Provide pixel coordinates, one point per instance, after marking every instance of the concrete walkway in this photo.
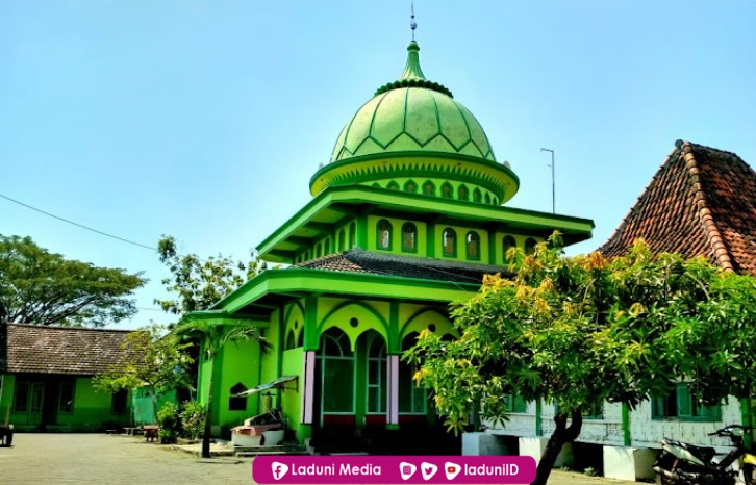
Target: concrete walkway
(111, 459)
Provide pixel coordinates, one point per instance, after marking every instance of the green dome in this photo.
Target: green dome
(412, 115)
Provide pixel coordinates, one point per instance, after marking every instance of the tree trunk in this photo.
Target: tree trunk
(559, 437)
(206, 433)
(154, 406)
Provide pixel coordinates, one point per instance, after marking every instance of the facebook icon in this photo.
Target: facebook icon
(279, 470)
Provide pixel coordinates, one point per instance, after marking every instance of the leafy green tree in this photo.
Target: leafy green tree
(579, 331)
(44, 288)
(196, 283)
(151, 358)
(213, 338)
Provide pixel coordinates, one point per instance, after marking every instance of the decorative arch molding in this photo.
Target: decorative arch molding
(381, 327)
(294, 312)
(419, 321)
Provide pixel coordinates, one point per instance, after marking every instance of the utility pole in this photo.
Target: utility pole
(553, 180)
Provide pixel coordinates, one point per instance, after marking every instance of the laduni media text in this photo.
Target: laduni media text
(368, 470)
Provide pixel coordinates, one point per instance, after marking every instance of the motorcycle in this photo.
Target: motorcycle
(682, 463)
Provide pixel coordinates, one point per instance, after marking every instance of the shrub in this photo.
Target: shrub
(192, 419)
(167, 417)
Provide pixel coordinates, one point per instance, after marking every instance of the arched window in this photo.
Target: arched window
(337, 364)
(384, 234)
(496, 201)
(429, 188)
(463, 193)
(300, 340)
(341, 240)
(392, 185)
(376, 184)
(506, 244)
(327, 246)
(352, 236)
(319, 251)
(530, 245)
(237, 403)
(476, 195)
(410, 186)
(409, 238)
(472, 243)
(290, 341)
(446, 191)
(376, 378)
(450, 242)
(486, 199)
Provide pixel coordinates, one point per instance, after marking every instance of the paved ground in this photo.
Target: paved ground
(101, 459)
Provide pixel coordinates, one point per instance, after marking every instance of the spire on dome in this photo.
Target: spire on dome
(412, 70)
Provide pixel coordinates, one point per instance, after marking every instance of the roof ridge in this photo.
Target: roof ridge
(713, 236)
(621, 226)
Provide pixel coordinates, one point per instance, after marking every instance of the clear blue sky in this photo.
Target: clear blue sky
(205, 120)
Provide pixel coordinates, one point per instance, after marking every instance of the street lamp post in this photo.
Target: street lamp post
(553, 180)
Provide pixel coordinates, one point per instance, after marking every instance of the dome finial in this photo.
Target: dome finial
(413, 24)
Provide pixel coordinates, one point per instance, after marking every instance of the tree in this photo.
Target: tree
(579, 331)
(43, 288)
(198, 284)
(151, 358)
(213, 338)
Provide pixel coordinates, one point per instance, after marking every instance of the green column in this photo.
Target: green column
(626, 424)
(311, 340)
(746, 419)
(431, 239)
(362, 232)
(491, 245)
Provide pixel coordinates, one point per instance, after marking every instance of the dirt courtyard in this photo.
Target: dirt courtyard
(111, 459)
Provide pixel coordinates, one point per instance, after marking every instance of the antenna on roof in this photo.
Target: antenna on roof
(413, 24)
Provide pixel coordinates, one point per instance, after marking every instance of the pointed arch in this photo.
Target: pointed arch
(447, 191)
(463, 193)
(487, 199)
(410, 186)
(476, 195)
(393, 185)
(429, 188)
(375, 320)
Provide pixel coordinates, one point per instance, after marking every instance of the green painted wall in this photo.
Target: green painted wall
(240, 364)
(142, 406)
(91, 409)
(291, 400)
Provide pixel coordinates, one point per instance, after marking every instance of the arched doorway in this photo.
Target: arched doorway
(335, 368)
(371, 383)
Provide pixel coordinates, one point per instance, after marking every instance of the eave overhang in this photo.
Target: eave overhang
(337, 205)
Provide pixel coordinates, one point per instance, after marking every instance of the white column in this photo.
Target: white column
(392, 391)
(308, 387)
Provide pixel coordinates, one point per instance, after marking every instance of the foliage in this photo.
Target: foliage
(590, 472)
(578, 331)
(150, 358)
(198, 283)
(167, 436)
(168, 416)
(43, 288)
(213, 338)
(192, 415)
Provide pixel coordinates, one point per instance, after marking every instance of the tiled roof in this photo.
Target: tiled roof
(360, 261)
(701, 202)
(38, 349)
